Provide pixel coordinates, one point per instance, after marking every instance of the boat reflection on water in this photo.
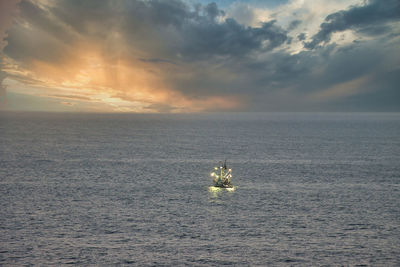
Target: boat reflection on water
(216, 189)
(219, 194)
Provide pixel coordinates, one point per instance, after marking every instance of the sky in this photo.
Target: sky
(180, 56)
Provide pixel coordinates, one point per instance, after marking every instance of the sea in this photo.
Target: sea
(311, 189)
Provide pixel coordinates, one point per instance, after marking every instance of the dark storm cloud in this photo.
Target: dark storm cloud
(294, 24)
(249, 76)
(212, 11)
(229, 38)
(162, 28)
(39, 47)
(87, 17)
(197, 33)
(41, 19)
(369, 18)
(38, 36)
(7, 10)
(283, 81)
(360, 69)
(301, 36)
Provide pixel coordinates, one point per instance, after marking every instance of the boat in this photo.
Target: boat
(222, 176)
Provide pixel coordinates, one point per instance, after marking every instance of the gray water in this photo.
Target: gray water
(311, 189)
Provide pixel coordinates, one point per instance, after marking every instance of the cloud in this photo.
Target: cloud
(175, 56)
(100, 46)
(341, 90)
(3, 92)
(7, 10)
(243, 14)
(161, 108)
(294, 24)
(67, 103)
(369, 18)
(72, 97)
(229, 38)
(156, 60)
(301, 36)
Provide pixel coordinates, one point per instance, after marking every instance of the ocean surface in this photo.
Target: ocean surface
(93, 189)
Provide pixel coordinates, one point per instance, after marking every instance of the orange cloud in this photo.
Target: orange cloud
(127, 84)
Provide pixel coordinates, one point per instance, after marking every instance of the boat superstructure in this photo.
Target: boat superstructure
(222, 176)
